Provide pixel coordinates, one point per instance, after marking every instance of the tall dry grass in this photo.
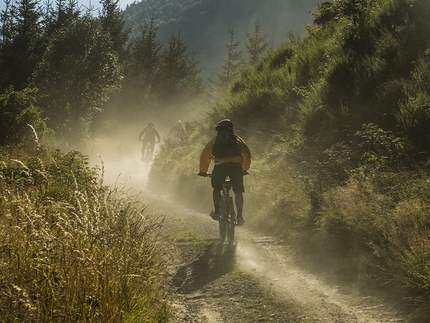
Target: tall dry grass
(73, 250)
(381, 225)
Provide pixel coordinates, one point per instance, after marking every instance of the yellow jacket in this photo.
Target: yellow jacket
(244, 159)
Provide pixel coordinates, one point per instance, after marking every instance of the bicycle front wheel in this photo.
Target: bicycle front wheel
(231, 221)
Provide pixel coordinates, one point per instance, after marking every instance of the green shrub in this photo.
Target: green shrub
(73, 250)
(20, 119)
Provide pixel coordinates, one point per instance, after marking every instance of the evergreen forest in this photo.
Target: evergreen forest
(337, 119)
(204, 24)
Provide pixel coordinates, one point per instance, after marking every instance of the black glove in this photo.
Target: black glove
(202, 174)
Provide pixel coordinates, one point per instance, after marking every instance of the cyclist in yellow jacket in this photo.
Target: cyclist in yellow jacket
(232, 158)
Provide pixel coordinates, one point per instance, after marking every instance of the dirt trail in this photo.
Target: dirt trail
(258, 280)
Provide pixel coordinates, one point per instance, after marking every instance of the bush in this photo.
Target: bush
(20, 119)
(73, 250)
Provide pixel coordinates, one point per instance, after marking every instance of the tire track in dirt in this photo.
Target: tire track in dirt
(258, 279)
(272, 262)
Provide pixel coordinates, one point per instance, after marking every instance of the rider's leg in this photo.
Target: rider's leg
(238, 199)
(219, 173)
(151, 146)
(236, 176)
(216, 194)
(144, 144)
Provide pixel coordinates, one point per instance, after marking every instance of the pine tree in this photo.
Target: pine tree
(113, 22)
(22, 45)
(78, 71)
(179, 75)
(232, 64)
(144, 67)
(257, 44)
(64, 13)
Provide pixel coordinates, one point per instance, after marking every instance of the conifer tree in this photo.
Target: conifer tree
(143, 70)
(5, 40)
(22, 44)
(257, 44)
(179, 75)
(75, 76)
(113, 22)
(232, 64)
(64, 13)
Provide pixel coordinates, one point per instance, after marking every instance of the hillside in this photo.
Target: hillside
(337, 122)
(204, 24)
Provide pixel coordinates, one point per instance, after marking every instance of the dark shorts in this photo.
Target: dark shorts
(233, 171)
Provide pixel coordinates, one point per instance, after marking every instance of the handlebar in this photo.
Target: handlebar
(205, 174)
(210, 175)
(156, 142)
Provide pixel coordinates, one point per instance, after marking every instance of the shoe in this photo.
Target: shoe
(240, 221)
(214, 215)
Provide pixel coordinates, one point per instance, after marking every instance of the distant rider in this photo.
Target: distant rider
(177, 130)
(149, 134)
(232, 158)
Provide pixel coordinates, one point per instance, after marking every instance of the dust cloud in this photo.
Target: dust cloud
(116, 149)
(275, 265)
(118, 156)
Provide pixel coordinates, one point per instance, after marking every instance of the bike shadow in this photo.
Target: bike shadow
(217, 260)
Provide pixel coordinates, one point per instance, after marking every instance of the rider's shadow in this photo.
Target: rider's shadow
(217, 260)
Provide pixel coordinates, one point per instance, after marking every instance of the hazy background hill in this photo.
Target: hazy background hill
(204, 24)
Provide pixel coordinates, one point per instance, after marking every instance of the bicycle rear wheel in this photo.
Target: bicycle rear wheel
(231, 221)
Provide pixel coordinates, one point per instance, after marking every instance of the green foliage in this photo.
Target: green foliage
(160, 82)
(414, 113)
(233, 64)
(113, 22)
(77, 72)
(22, 43)
(21, 120)
(277, 17)
(337, 123)
(257, 45)
(79, 62)
(179, 74)
(385, 220)
(72, 249)
(160, 75)
(145, 63)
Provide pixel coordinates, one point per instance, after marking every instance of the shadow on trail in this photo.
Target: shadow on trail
(217, 260)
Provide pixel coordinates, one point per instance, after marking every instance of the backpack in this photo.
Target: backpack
(226, 144)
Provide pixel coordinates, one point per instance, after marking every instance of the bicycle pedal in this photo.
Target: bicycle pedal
(214, 216)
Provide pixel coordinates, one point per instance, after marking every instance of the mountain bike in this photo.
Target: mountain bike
(227, 220)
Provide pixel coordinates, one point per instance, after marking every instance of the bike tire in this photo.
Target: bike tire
(148, 154)
(223, 222)
(231, 221)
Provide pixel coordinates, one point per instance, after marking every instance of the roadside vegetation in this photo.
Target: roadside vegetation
(73, 81)
(72, 249)
(337, 122)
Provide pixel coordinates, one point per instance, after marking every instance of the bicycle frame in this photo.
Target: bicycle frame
(227, 221)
